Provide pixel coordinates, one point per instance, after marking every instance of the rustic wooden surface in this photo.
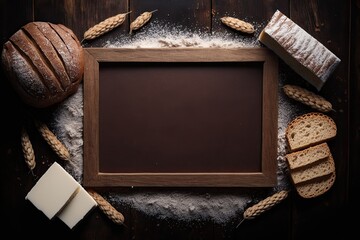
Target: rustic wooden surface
(335, 23)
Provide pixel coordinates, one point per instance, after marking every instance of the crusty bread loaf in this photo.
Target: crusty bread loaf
(302, 52)
(310, 129)
(312, 170)
(44, 63)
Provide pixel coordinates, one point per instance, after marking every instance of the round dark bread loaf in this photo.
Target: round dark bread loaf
(44, 63)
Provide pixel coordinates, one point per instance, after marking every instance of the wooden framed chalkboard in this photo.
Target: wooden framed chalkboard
(180, 117)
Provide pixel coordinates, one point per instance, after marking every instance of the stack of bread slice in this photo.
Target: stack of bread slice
(311, 164)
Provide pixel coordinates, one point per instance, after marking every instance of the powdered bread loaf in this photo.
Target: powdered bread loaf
(44, 63)
(310, 129)
(305, 54)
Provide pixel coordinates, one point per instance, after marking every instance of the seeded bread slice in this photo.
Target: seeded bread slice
(310, 129)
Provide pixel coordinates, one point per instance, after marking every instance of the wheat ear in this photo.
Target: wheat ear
(264, 205)
(27, 149)
(107, 208)
(140, 21)
(238, 24)
(52, 140)
(308, 98)
(105, 26)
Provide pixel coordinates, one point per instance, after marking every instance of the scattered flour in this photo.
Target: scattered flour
(189, 207)
(183, 205)
(68, 125)
(163, 36)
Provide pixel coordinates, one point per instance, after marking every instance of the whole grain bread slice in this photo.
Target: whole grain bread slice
(312, 170)
(316, 187)
(310, 129)
(308, 155)
(318, 169)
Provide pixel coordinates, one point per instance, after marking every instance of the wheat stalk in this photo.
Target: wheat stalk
(105, 26)
(140, 20)
(264, 205)
(308, 98)
(27, 149)
(52, 140)
(238, 24)
(107, 208)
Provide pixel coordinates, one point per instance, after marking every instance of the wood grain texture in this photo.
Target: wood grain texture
(323, 217)
(82, 15)
(322, 18)
(354, 164)
(246, 11)
(10, 22)
(187, 15)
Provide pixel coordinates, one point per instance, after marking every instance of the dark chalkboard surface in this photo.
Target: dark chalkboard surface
(170, 117)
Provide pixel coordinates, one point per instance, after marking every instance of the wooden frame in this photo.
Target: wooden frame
(266, 177)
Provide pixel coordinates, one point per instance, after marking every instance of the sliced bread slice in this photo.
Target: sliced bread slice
(310, 129)
(308, 155)
(312, 170)
(318, 169)
(316, 187)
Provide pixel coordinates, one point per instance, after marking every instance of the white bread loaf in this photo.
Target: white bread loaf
(44, 63)
(302, 52)
(310, 129)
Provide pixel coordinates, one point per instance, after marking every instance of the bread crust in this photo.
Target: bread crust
(44, 63)
(48, 50)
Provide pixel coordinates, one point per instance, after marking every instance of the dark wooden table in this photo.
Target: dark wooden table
(335, 23)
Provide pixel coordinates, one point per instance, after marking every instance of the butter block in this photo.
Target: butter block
(301, 51)
(77, 208)
(55, 188)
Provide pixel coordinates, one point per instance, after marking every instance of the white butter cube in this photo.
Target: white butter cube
(77, 208)
(53, 190)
